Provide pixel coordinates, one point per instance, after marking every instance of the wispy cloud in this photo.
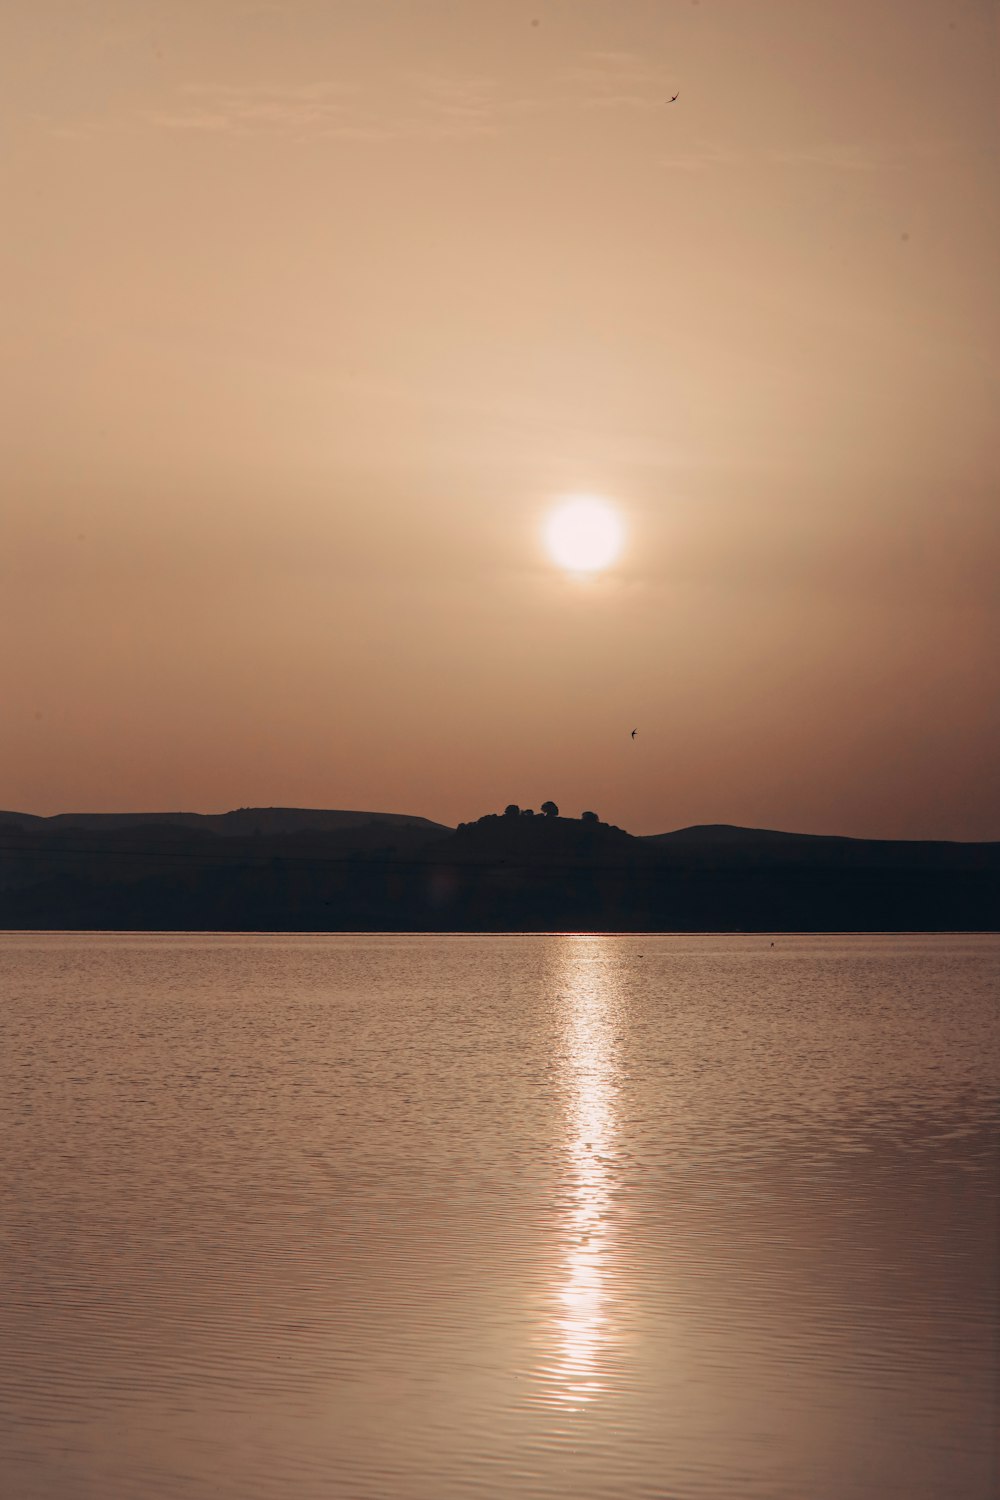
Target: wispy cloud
(318, 107)
(831, 156)
(702, 156)
(401, 104)
(862, 156)
(408, 103)
(413, 105)
(416, 104)
(842, 156)
(622, 81)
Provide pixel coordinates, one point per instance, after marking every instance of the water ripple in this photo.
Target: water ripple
(557, 1216)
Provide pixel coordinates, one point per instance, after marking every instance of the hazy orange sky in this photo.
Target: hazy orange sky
(312, 309)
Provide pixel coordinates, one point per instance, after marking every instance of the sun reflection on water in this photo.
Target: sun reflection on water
(584, 1324)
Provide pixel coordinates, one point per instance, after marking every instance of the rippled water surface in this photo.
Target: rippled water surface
(425, 1217)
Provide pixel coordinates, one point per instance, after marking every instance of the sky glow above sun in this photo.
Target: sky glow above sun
(583, 534)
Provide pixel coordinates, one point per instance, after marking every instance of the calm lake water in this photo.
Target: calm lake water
(421, 1217)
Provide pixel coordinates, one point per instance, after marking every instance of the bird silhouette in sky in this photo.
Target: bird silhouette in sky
(673, 98)
(634, 733)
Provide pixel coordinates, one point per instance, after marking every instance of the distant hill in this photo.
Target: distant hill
(728, 833)
(238, 824)
(724, 844)
(315, 870)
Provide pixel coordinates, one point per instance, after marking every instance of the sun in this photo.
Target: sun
(583, 534)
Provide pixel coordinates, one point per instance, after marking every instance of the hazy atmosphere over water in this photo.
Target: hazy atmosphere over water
(315, 309)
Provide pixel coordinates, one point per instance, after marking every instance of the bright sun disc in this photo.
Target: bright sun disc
(583, 534)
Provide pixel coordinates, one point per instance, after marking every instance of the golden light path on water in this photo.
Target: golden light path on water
(584, 1330)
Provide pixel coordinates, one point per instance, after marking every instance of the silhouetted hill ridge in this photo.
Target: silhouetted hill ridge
(731, 833)
(238, 823)
(734, 833)
(309, 870)
(728, 844)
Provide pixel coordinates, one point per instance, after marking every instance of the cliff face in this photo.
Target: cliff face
(497, 874)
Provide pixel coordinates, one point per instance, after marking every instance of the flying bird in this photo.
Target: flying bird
(634, 733)
(673, 98)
